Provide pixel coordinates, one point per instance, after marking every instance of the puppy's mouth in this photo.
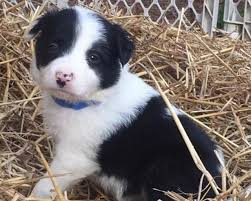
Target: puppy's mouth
(66, 95)
(60, 92)
(63, 94)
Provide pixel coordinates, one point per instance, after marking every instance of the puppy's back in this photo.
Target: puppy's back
(150, 153)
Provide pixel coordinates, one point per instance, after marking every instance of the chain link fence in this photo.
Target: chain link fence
(236, 18)
(194, 12)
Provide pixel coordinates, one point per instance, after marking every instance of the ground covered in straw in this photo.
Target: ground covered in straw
(210, 79)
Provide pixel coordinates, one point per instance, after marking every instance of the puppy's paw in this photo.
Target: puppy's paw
(44, 189)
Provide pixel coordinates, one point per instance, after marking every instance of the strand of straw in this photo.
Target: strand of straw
(185, 137)
(47, 167)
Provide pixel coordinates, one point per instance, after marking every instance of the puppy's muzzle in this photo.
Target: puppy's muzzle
(62, 79)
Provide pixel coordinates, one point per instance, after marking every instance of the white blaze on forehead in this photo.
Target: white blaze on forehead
(90, 30)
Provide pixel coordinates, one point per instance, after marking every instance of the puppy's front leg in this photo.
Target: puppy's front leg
(70, 168)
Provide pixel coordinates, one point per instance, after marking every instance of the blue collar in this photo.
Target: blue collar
(75, 106)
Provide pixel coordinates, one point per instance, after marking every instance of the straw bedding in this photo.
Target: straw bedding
(210, 79)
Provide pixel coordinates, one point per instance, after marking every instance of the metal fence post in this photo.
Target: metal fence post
(246, 30)
(238, 22)
(210, 16)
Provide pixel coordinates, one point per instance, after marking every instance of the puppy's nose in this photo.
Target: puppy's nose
(63, 78)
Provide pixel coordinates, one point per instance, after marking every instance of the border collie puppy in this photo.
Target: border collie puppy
(107, 123)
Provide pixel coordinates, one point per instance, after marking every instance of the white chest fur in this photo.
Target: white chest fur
(78, 133)
(84, 130)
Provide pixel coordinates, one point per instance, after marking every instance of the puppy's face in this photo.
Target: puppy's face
(78, 53)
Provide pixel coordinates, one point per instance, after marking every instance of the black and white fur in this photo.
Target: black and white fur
(128, 143)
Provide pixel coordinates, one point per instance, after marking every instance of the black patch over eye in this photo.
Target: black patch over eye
(102, 57)
(58, 31)
(94, 58)
(53, 47)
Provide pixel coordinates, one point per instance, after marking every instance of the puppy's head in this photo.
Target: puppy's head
(78, 53)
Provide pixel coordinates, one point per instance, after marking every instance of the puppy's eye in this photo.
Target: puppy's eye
(94, 58)
(53, 47)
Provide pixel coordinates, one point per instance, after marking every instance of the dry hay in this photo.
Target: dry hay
(210, 79)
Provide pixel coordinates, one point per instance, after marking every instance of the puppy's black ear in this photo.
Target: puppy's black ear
(125, 44)
(33, 30)
(38, 25)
